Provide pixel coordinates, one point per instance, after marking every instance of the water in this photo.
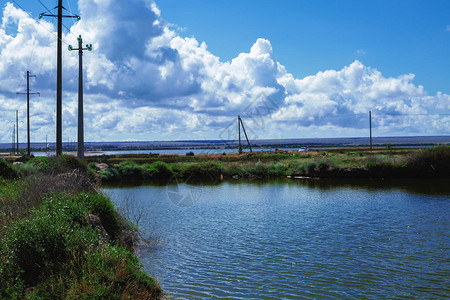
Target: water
(159, 151)
(296, 239)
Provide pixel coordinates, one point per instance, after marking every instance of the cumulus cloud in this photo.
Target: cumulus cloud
(144, 81)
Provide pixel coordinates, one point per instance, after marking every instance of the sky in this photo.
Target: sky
(184, 70)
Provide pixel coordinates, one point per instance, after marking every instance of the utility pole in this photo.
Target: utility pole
(370, 126)
(28, 108)
(239, 128)
(17, 130)
(80, 144)
(60, 16)
(13, 148)
(243, 128)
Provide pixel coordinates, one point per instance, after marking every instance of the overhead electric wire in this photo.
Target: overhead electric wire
(38, 21)
(385, 114)
(68, 29)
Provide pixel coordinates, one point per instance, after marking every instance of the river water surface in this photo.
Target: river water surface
(296, 239)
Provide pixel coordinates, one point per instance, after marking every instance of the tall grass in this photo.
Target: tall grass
(56, 252)
(60, 238)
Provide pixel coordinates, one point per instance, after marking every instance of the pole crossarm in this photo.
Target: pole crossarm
(44, 14)
(25, 93)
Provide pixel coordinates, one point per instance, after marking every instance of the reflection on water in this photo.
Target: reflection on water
(299, 238)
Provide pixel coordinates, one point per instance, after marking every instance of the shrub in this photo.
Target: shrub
(27, 169)
(431, 160)
(310, 167)
(36, 246)
(59, 164)
(209, 170)
(101, 206)
(19, 197)
(57, 253)
(157, 170)
(110, 174)
(277, 169)
(93, 166)
(7, 170)
(129, 171)
(190, 153)
(233, 169)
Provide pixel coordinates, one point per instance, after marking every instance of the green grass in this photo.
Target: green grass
(339, 163)
(51, 249)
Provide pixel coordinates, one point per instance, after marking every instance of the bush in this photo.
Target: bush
(157, 170)
(190, 153)
(110, 174)
(277, 169)
(431, 160)
(93, 166)
(101, 206)
(7, 171)
(129, 171)
(36, 246)
(19, 197)
(209, 170)
(59, 164)
(55, 253)
(27, 169)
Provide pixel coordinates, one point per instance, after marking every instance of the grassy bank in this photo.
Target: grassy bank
(60, 238)
(334, 163)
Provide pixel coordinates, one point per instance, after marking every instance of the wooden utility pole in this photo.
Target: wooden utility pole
(28, 110)
(80, 144)
(60, 16)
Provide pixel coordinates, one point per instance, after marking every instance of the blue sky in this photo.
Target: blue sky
(174, 69)
(396, 37)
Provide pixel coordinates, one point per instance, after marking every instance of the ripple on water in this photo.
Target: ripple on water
(294, 241)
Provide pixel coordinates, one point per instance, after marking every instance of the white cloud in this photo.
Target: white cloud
(146, 82)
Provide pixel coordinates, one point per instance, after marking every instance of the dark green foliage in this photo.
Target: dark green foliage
(109, 175)
(7, 170)
(190, 153)
(209, 170)
(36, 246)
(93, 166)
(434, 160)
(59, 164)
(129, 171)
(101, 206)
(157, 170)
(58, 254)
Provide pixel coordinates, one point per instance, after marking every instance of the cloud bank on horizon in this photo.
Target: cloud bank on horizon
(144, 81)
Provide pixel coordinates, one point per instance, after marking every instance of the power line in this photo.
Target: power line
(68, 29)
(386, 114)
(44, 6)
(37, 20)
